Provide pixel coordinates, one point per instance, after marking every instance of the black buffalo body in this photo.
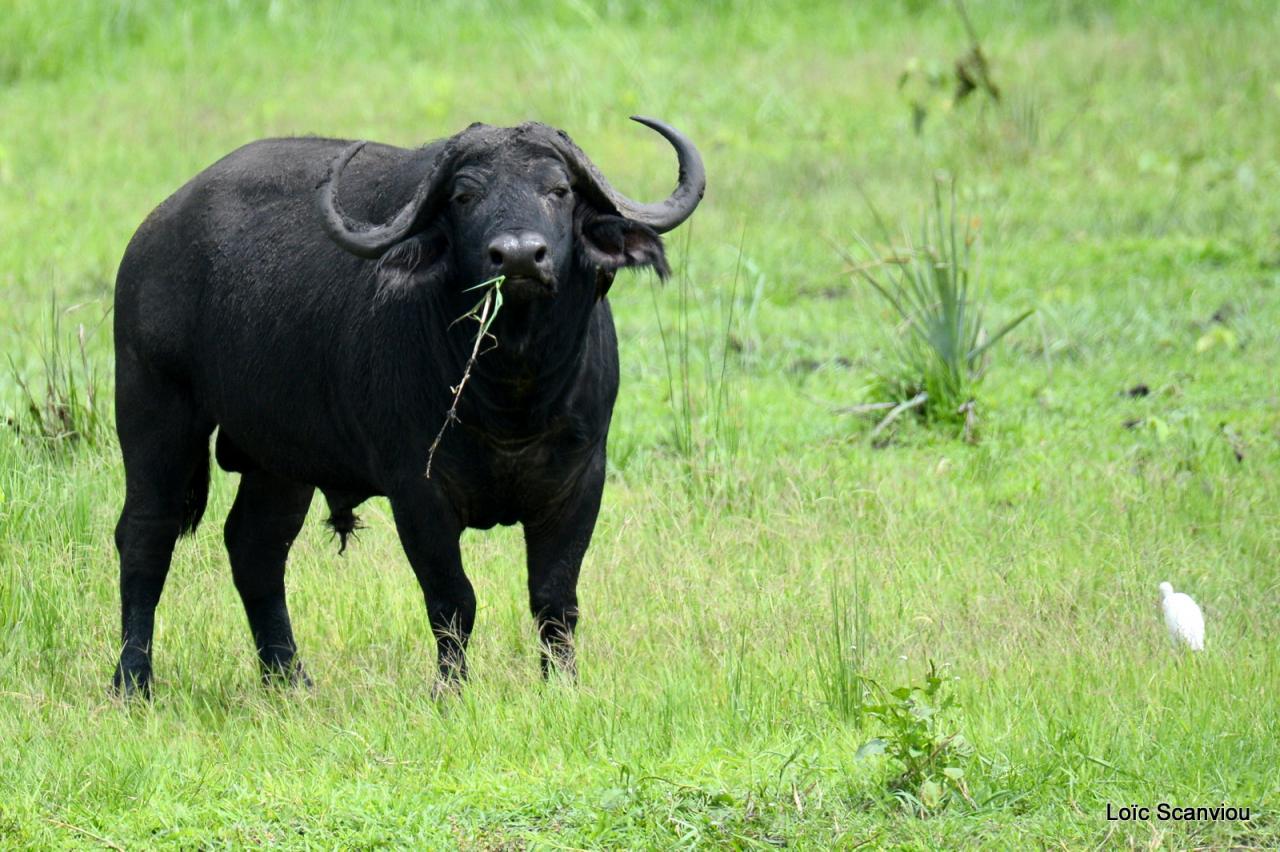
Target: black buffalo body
(260, 300)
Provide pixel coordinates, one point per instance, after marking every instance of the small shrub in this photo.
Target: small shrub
(63, 407)
(939, 353)
(929, 755)
(931, 87)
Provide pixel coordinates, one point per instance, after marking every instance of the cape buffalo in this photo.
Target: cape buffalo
(260, 300)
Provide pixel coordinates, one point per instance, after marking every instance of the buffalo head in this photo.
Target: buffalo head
(524, 203)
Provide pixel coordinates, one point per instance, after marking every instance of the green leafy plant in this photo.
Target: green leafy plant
(929, 755)
(940, 348)
(929, 87)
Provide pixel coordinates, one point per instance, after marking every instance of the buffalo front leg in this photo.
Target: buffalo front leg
(429, 532)
(264, 520)
(555, 545)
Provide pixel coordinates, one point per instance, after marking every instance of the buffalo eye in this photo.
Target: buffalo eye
(560, 192)
(463, 199)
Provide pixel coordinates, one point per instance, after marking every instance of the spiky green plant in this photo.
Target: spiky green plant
(62, 407)
(939, 349)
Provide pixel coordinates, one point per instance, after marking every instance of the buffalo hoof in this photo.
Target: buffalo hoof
(288, 675)
(561, 673)
(131, 685)
(559, 664)
(446, 688)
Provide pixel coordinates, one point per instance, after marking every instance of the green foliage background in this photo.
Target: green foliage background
(1128, 188)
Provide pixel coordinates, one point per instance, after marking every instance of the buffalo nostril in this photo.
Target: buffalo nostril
(495, 257)
(540, 255)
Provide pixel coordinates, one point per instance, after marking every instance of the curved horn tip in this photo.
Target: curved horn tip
(652, 123)
(693, 180)
(664, 215)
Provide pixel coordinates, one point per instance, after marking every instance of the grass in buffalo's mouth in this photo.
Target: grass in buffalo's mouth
(484, 312)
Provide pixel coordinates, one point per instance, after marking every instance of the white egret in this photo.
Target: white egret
(1183, 618)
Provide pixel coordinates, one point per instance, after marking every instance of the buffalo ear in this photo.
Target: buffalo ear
(614, 242)
(411, 262)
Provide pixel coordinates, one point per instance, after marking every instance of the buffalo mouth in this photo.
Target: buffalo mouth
(528, 287)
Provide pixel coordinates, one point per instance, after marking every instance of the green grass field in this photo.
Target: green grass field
(757, 560)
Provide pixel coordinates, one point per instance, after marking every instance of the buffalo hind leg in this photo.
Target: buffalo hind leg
(555, 547)
(429, 533)
(165, 447)
(264, 520)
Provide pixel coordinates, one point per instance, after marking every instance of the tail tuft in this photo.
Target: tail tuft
(344, 523)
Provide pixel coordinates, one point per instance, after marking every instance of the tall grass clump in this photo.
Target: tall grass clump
(842, 656)
(703, 431)
(940, 343)
(65, 405)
